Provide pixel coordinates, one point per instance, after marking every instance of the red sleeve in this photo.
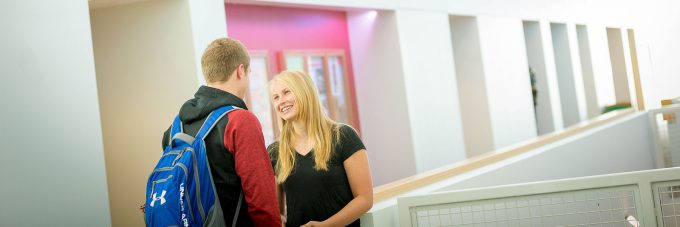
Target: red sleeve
(243, 137)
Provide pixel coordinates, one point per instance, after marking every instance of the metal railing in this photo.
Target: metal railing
(645, 198)
(665, 124)
(642, 198)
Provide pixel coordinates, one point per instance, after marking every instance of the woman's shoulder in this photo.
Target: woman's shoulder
(347, 135)
(345, 130)
(349, 141)
(273, 148)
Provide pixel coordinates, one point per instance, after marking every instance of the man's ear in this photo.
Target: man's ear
(240, 71)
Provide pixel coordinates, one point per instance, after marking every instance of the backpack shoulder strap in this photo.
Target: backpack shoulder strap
(175, 128)
(212, 119)
(210, 123)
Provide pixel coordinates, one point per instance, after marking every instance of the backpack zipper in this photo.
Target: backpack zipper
(153, 183)
(188, 199)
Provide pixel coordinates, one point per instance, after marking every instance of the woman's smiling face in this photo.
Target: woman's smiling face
(283, 101)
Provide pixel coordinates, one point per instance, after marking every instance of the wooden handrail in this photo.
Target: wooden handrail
(392, 189)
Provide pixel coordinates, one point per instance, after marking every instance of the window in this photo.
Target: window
(328, 71)
(257, 98)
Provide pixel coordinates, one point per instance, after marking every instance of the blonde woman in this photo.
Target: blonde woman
(321, 166)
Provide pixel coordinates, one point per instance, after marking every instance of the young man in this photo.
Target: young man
(235, 146)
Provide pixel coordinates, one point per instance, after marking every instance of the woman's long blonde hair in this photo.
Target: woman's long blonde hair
(320, 128)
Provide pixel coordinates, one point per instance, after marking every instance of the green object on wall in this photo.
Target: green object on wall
(617, 106)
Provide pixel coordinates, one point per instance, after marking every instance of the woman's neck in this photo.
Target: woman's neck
(301, 140)
(299, 130)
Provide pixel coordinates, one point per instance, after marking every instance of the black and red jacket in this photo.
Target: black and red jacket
(237, 156)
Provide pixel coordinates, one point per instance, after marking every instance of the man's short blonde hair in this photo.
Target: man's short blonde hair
(221, 58)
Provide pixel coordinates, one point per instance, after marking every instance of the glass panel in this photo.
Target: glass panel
(337, 77)
(295, 63)
(259, 97)
(317, 73)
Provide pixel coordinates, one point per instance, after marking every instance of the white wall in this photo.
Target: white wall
(578, 72)
(422, 75)
(431, 90)
(565, 74)
(654, 23)
(651, 20)
(630, 81)
(381, 96)
(471, 85)
(586, 154)
(208, 22)
(592, 107)
(536, 59)
(602, 67)
(145, 70)
(635, 81)
(551, 74)
(618, 62)
(506, 75)
(493, 78)
(52, 166)
(657, 41)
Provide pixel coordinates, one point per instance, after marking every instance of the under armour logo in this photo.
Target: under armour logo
(153, 199)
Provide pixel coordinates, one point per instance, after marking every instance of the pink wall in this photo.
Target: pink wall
(280, 28)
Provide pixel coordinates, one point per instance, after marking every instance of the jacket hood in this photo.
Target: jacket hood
(205, 101)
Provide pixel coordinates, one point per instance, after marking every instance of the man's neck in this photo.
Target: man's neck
(225, 86)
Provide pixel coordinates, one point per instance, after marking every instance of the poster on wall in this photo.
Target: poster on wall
(258, 95)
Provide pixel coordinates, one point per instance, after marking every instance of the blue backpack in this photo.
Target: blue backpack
(180, 190)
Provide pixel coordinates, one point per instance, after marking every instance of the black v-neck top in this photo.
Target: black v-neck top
(317, 195)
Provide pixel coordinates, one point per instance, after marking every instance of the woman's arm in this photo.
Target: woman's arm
(359, 176)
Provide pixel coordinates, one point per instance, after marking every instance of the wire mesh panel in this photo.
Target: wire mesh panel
(668, 199)
(594, 207)
(673, 127)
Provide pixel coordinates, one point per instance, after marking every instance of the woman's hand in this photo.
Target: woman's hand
(314, 224)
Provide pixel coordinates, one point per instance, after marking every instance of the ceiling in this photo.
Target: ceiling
(95, 4)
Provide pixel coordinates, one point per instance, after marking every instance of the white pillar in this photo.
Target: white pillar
(52, 155)
(431, 90)
(567, 71)
(617, 54)
(506, 75)
(602, 67)
(592, 107)
(381, 95)
(630, 80)
(207, 24)
(537, 61)
(578, 73)
(551, 75)
(472, 90)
